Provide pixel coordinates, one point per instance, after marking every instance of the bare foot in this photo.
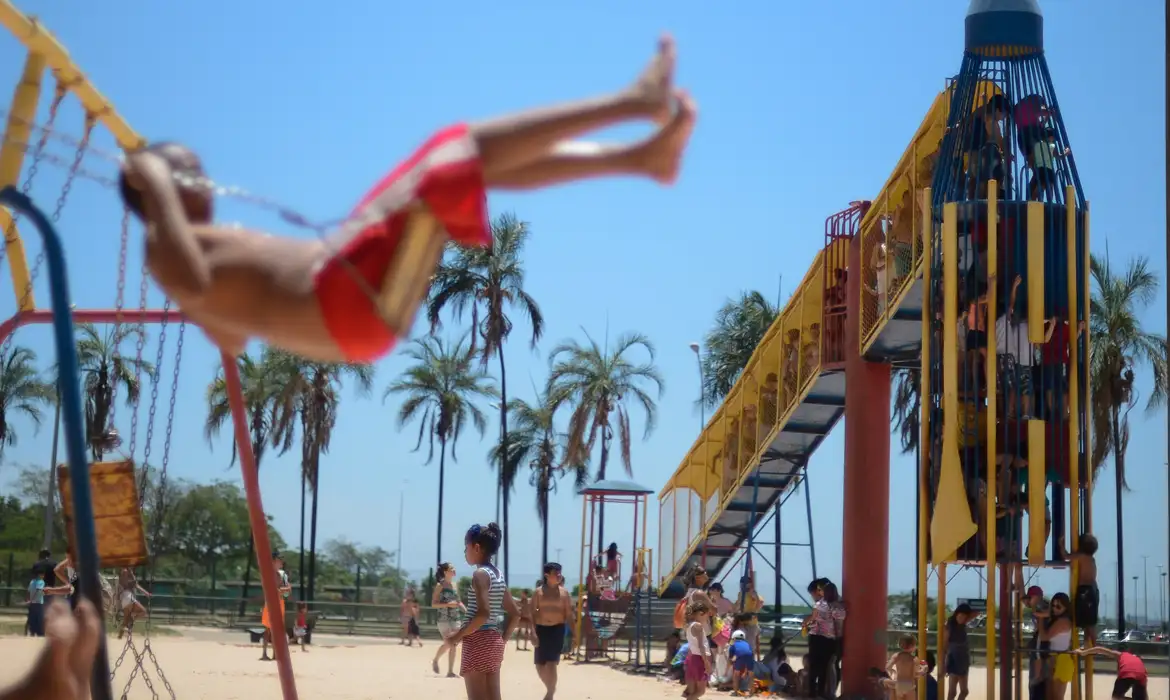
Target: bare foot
(661, 155)
(655, 87)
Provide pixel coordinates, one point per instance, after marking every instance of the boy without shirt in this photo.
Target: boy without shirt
(552, 609)
(350, 297)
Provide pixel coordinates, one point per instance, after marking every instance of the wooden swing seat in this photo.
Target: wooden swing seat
(121, 534)
(408, 277)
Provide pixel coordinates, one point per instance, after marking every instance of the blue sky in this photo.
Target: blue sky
(804, 107)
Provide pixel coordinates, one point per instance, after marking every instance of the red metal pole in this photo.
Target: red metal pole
(29, 318)
(231, 375)
(865, 551)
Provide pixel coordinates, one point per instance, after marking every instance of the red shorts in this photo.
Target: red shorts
(483, 652)
(445, 176)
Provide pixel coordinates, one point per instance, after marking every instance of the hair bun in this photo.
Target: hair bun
(494, 530)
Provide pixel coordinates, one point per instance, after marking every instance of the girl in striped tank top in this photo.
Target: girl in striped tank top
(482, 639)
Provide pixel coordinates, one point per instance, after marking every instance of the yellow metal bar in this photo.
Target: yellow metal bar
(17, 135)
(38, 40)
(924, 435)
(1088, 433)
(1036, 484)
(940, 615)
(992, 422)
(1088, 396)
(1070, 208)
(1035, 233)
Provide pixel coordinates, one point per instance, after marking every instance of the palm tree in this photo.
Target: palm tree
(536, 443)
(598, 382)
(22, 391)
(310, 399)
(105, 371)
(488, 281)
(260, 383)
(907, 406)
(439, 389)
(740, 325)
(1119, 346)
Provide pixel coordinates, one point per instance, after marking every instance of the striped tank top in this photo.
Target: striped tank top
(497, 589)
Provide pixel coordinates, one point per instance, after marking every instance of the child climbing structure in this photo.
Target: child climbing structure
(968, 274)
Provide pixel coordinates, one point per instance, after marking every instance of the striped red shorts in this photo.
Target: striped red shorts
(483, 652)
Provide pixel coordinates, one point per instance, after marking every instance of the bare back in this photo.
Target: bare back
(551, 607)
(260, 285)
(904, 666)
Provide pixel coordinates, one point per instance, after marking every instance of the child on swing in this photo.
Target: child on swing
(348, 298)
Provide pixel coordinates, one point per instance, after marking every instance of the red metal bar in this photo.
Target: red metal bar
(28, 318)
(272, 601)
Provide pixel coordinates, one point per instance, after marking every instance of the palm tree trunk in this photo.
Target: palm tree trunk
(505, 487)
(601, 477)
(1118, 467)
(442, 474)
(313, 523)
(301, 548)
(544, 522)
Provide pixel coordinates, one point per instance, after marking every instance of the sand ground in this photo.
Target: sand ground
(217, 665)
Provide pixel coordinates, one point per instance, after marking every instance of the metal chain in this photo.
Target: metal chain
(155, 376)
(119, 301)
(62, 198)
(139, 345)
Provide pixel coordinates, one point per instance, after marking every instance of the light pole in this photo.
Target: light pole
(398, 556)
(1135, 579)
(1146, 588)
(1161, 598)
(702, 406)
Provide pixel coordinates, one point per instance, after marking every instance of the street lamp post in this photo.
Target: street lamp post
(702, 406)
(1146, 588)
(1135, 580)
(1161, 598)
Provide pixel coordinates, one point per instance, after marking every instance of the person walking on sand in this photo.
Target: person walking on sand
(552, 608)
(445, 599)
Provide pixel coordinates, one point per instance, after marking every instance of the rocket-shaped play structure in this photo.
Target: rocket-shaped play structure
(965, 282)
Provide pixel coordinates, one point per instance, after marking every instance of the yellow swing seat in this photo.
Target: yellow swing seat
(121, 534)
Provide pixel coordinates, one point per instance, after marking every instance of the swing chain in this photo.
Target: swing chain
(139, 345)
(119, 302)
(154, 381)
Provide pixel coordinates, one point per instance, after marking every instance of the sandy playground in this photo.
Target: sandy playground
(217, 665)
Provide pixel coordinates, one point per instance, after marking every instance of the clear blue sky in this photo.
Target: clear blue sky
(804, 107)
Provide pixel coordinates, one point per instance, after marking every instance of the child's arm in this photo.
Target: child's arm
(1012, 298)
(58, 590)
(1050, 328)
(168, 221)
(1102, 651)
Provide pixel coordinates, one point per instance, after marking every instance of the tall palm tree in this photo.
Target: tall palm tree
(1119, 347)
(740, 325)
(488, 282)
(105, 371)
(598, 382)
(535, 443)
(23, 391)
(262, 389)
(309, 400)
(440, 389)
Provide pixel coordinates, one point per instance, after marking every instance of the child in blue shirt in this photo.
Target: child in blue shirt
(37, 590)
(743, 661)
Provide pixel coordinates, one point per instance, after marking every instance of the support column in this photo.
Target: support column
(865, 553)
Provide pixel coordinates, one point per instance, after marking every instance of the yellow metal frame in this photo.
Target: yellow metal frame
(44, 51)
(992, 422)
(924, 435)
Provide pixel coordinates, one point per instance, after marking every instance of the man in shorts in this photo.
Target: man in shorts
(552, 609)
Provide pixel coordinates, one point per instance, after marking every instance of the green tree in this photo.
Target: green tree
(598, 383)
(489, 282)
(535, 443)
(106, 371)
(440, 389)
(262, 389)
(740, 325)
(1119, 347)
(23, 392)
(310, 399)
(206, 523)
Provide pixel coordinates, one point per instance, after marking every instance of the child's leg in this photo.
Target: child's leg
(962, 687)
(512, 142)
(657, 157)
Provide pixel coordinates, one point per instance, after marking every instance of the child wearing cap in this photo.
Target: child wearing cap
(743, 661)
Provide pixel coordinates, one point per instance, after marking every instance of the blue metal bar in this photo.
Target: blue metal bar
(69, 385)
(751, 539)
(808, 514)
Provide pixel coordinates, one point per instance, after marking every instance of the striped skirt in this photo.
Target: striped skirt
(483, 652)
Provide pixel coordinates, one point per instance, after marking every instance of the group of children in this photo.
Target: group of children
(45, 572)
(693, 656)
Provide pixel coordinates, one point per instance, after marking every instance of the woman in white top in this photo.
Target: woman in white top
(1058, 634)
